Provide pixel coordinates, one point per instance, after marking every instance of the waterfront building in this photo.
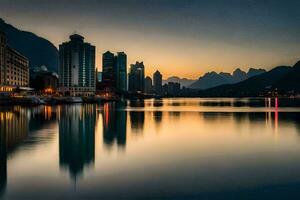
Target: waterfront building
(172, 89)
(14, 67)
(121, 71)
(148, 85)
(137, 77)
(77, 75)
(2, 57)
(114, 71)
(17, 69)
(43, 80)
(157, 82)
(108, 67)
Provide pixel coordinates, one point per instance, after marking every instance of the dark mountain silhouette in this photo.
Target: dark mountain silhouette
(238, 75)
(283, 79)
(213, 79)
(254, 72)
(290, 82)
(38, 50)
(183, 81)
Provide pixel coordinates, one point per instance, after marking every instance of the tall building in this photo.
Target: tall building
(121, 71)
(77, 67)
(17, 69)
(137, 77)
(157, 82)
(114, 71)
(148, 85)
(108, 68)
(2, 57)
(172, 89)
(14, 67)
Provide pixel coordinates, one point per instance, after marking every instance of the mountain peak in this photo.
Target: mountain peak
(213, 79)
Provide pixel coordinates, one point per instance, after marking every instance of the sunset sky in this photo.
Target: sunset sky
(185, 38)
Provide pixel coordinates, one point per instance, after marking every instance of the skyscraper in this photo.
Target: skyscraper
(108, 70)
(121, 71)
(148, 85)
(157, 82)
(77, 67)
(114, 71)
(137, 77)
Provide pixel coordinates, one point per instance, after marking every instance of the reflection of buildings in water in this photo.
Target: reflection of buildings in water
(43, 116)
(157, 103)
(137, 103)
(157, 116)
(174, 114)
(77, 137)
(13, 130)
(3, 161)
(14, 124)
(114, 123)
(137, 120)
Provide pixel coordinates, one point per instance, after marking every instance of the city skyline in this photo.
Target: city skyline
(178, 38)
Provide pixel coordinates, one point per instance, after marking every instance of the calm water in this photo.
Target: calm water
(152, 149)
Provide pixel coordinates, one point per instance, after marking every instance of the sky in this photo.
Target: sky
(184, 38)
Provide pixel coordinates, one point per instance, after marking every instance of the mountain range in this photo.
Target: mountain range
(38, 50)
(213, 79)
(282, 79)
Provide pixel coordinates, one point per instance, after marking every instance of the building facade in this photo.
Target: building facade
(108, 70)
(77, 73)
(148, 85)
(114, 70)
(2, 57)
(121, 71)
(14, 67)
(17, 69)
(157, 82)
(172, 89)
(137, 77)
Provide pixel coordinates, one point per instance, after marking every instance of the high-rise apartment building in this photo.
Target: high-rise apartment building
(121, 71)
(137, 77)
(108, 70)
(157, 82)
(148, 85)
(77, 75)
(114, 70)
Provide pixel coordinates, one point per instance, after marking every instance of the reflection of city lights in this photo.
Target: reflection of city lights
(6, 89)
(6, 116)
(48, 112)
(106, 113)
(276, 125)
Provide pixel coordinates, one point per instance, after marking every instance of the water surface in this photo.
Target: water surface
(152, 149)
